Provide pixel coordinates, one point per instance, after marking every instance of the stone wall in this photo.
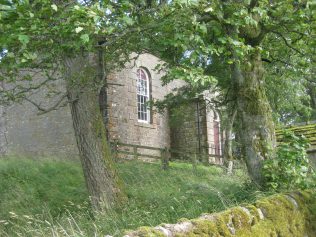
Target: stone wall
(286, 215)
(31, 134)
(123, 119)
(24, 132)
(194, 124)
(188, 128)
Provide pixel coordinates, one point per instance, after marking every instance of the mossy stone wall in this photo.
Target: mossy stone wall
(284, 215)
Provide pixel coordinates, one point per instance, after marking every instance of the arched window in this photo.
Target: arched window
(143, 95)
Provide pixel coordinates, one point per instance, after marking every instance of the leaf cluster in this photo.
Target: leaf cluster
(37, 38)
(211, 36)
(291, 168)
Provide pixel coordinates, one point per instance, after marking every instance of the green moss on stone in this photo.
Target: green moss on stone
(149, 232)
(307, 204)
(203, 228)
(222, 222)
(254, 213)
(240, 218)
(283, 217)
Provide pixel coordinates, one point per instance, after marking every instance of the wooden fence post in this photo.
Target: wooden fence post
(230, 167)
(206, 158)
(194, 161)
(164, 158)
(135, 152)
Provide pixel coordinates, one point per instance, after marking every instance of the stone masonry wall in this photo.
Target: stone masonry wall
(184, 125)
(194, 124)
(284, 215)
(123, 119)
(30, 134)
(24, 132)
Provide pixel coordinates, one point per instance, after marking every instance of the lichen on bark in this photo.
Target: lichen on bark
(254, 114)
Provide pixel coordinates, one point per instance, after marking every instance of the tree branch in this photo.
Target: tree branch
(281, 61)
(287, 43)
(59, 103)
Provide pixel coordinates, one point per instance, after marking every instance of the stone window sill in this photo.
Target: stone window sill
(145, 125)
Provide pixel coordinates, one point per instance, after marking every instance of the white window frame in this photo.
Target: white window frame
(143, 96)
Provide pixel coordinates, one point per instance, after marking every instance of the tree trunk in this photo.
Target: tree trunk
(228, 151)
(257, 127)
(83, 88)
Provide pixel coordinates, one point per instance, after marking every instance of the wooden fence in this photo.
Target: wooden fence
(163, 154)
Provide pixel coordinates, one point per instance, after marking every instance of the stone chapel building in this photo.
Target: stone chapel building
(24, 133)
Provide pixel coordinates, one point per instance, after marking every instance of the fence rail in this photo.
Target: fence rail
(164, 153)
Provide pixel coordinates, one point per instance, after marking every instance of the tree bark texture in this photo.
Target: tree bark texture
(83, 88)
(257, 128)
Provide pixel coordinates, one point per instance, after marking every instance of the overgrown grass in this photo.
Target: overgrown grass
(48, 198)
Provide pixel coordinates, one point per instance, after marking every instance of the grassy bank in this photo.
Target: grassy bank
(48, 198)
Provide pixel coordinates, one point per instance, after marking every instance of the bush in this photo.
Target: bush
(291, 168)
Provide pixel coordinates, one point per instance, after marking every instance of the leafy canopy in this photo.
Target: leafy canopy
(37, 36)
(209, 36)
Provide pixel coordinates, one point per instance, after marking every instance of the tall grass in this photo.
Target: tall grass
(49, 198)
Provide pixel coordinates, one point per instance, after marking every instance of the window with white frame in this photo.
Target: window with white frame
(143, 95)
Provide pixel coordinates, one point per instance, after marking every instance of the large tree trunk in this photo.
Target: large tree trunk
(257, 127)
(83, 88)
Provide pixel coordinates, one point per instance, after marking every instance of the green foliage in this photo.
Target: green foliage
(306, 130)
(290, 169)
(44, 198)
(194, 76)
(214, 35)
(290, 78)
(198, 34)
(40, 36)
